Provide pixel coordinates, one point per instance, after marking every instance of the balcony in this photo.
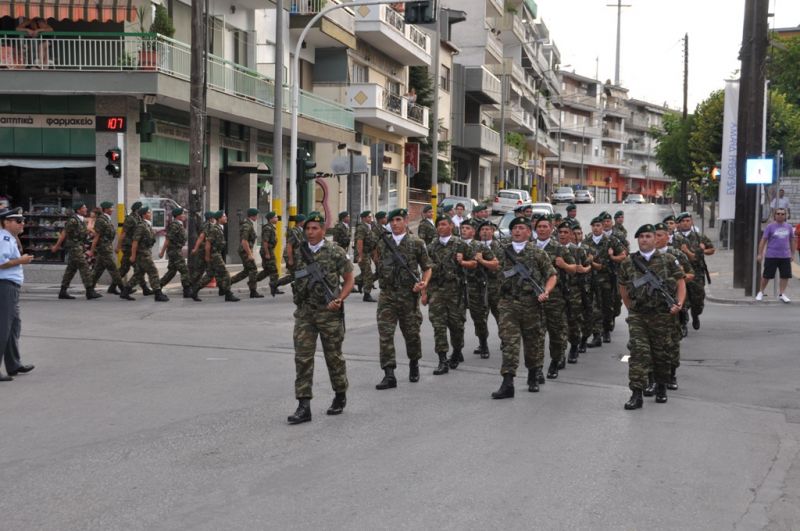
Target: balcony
(579, 101)
(494, 49)
(132, 63)
(513, 31)
(482, 85)
(514, 118)
(376, 106)
(384, 28)
(614, 135)
(580, 130)
(482, 139)
(334, 30)
(637, 122)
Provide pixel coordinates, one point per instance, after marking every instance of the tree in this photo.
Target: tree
(705, 140)
(783, 129)
(420, 80)
(784, 67)
(672, 151)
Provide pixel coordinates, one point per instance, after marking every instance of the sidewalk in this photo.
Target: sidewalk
(720, 267)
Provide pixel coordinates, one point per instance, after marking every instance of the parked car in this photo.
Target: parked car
(505, 221)
(453, 200)
(509, 199)
(564, 194)
(635, 199)
(583, 196)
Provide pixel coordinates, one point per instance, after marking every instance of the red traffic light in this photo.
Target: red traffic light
(113, 155)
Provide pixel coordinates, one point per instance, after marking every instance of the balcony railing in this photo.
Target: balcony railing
(148, 52)
(614, 134)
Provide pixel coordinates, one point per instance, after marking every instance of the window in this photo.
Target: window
(444, 82)
(359, 73)
(387, 198)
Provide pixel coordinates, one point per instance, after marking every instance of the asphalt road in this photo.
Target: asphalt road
(173, 416)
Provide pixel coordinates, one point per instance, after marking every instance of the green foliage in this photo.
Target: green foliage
(783, 128)
(420, 80)
(162, 24)
(672, 152)
(705, 139)
(784, 68)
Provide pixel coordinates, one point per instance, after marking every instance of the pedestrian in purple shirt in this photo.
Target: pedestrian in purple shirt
(775, 253)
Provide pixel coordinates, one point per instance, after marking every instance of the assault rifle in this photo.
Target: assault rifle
(316, 275)
(521, 271)
(397, 258)
(651, 281)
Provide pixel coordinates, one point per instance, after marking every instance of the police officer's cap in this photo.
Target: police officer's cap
(519, 220)
(479, 208)
(427, 208)
(380, 215)
(619, 214)
(682, 216)
(365, 214)
(10, 213)
(218, 214)
(647, 227)
(177, 212)
(315, 217)
(571, 207)
(661, 226)
(442, 217)
(252, 212)
(669, 218)
(271, 214)
(136, 206)
(402, 212)
(299, 218)
(77, 205)
(343, 214)
(106, 204)
(144, 210)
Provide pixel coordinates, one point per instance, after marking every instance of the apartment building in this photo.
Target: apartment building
(643, 175)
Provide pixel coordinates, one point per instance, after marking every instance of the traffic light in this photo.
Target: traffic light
(114, 166)
(420, 12)
(304, 165)
(145, 127)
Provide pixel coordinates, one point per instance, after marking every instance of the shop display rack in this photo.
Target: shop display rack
(43, 223)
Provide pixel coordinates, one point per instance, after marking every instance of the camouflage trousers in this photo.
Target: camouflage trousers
(696, 293)
(106, 261)
(479, 308)
(249, 271)
(603, 309)
(650, 337)
(176, 264)
(308, 324)
(125, 262)
(674, 346)
(520, 321)
(216, 269)
(366, 277)
(197, 266)
(446, 311)
(398, 308)
(576, 324)
(555, 322)
(76, 263)
(145, 266)
(494, 301)
(270, 269)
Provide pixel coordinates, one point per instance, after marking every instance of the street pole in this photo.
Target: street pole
(277, 132)
(559, 138)
(503, 83)
(685, 109)
(536, 134)
(197, 120)
(759, 187)
(583, 148)
(434, 127)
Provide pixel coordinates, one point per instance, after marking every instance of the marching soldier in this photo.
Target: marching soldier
(365, 244)
(446, 293)
(607, 252)
(341, 231)
(583, 258)
(525, 270)
(618, 239)
(173, 248)
(576, 296)
(696, 246)
(572, 212)
(480, 213)
(102, 248)
(269, 240)
(556, 308)
(402, 257)
(486, 231)
(141, 256)
(651, 313)
(294, 238)
(619, 229)
(197, 262)
(426, 230)
(214, 246)
(247, 242)
(477, 285)
(320, 312)
(72, 237)
(132, 220)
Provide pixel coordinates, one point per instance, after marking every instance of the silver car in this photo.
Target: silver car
(564, 194)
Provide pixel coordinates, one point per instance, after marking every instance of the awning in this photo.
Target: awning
(48, 164)
(102, 10)
(248, 167)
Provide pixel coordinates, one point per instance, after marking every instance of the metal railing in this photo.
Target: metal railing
(307, 7)
(148, 52)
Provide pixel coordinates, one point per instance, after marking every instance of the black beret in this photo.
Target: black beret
(647, 227)
(144, 210)
(427, 208)
(565, 225)
(106, 204)
(177, 211)
(136, 206)
(402, 212)
(619, 214)
(343, 215)
(479, 208)
(571, 206)
(442, 217)
(252, 211)
(380, 214)
(596, 220)
(682, 216)
(604, 216)
(669, 218)
(519, 220)
(315, 216)
(661, 226)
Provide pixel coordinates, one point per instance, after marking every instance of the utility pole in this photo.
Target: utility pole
(619, 5)
(197, 120)
(750, 124)
(277, 131)
(684, 178)
(503, 84)
(434, 127)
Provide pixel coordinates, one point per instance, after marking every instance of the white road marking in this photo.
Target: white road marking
(216, 359)
(625, 358)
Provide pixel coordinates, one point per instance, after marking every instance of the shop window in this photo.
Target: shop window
(165, 180)
(387, 199)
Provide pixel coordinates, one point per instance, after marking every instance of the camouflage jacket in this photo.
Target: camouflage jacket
(478, 275)
(683, 260)
(580, 253)
(620, 233)
(269, 239)
(446, 272)
(692, 241)
(129, 227)
(176, 235)
(247, 232)
(377, 231)
(554, 250)
(538, 263)
(145, 236)
(105, 229)
(665, 266)
(216, 236)
(494, 250)
(75, 232)
(391, 274)
(341, 235)
(364, 232)
(600, 251)
(426, 231)
(333, 261)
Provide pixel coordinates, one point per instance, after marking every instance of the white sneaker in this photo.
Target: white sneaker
(759, 296)
(784, 298)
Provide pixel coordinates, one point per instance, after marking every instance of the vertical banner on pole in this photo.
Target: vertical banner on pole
(727, 179)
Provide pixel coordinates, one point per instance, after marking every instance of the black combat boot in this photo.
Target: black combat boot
(506, 388)
(443, 368)
(650, 390)
(303, 412)
(92, 294)
(64, 295)
(337, 406)
(695, 322)
(368, 298)
(636, 401)
(273, 289)
(220, 292)
(254, 294)
(540, 376)
(230, 297)
(607, 336)
(161, 296)
(562, 363)
(456, 358)
(187, 293)
(684, 330)
(661, 393)
(389, 381)
(582, 346)
(112, 289)
(533, 384)
(146, 291)
(597, 341)
(573, 353)
(195, 295)
(126, 294)
(413, 371)
(478, 350)
(552, 370)
(484, 347)
(673, 380)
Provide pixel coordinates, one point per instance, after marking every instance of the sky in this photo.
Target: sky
(651, 60)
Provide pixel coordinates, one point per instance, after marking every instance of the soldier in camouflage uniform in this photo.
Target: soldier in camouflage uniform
(316, 317)
(613, 232)
(132, 220)
(696, 246)
(103, 250)
(73, 237)
(341, 231)
(486, 231)
(619, 229)
(173, 248)
(478, 284)
(450, 256)
(294, 237)
(607, 252)
(365, 244)
(197, 263)
(269, 240)
(556, 310)
(584, 258)
(247, 242)
(215, 245)
(650, 316)
(398, 302)
(426, 230)
(141, 256)
(521, 310)
(576, 294)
